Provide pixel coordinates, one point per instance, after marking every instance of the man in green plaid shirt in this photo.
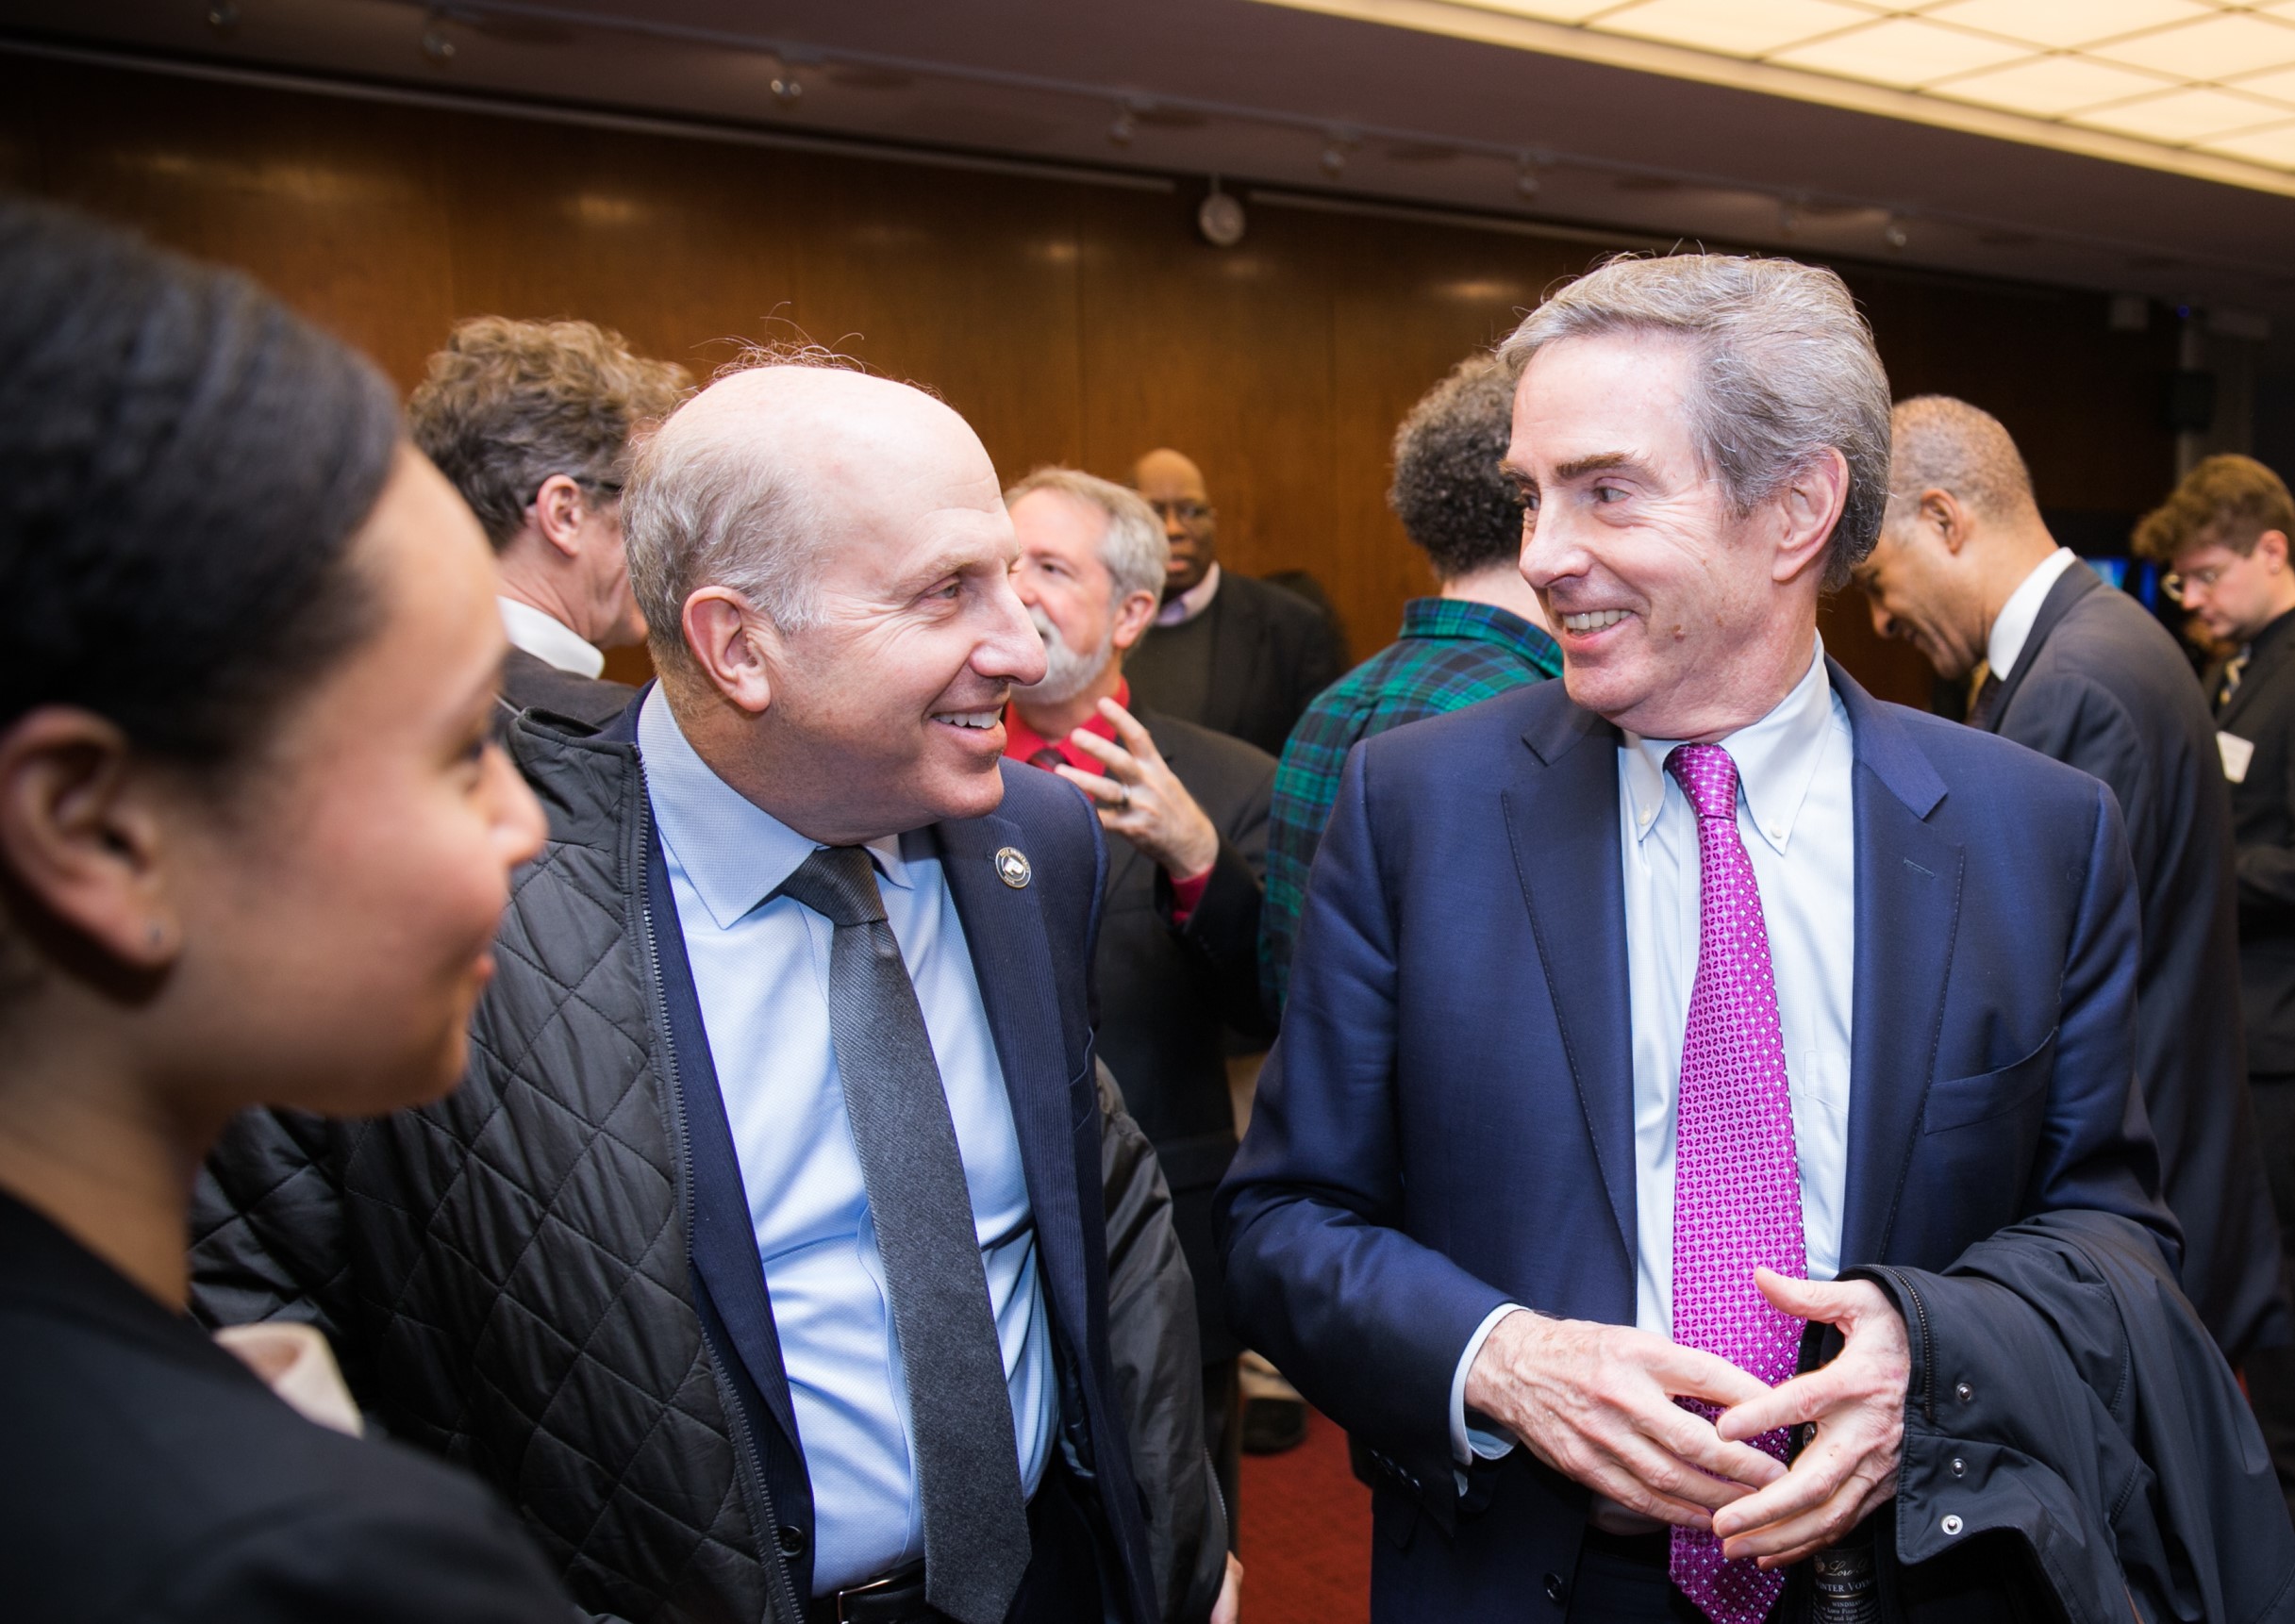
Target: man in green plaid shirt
(1481, 637)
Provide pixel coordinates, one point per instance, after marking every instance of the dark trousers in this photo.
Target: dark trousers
(2270, 1371)
(1626, 1580)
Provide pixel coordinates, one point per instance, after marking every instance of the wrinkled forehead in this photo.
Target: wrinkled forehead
(1602, 400)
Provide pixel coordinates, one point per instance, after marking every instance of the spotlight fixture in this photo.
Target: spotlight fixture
(1525, 176)
(223, 16)
(1221, 218)
(786, 89)
(1788, 218)
(1122, 131)
(1895, 235)
(1334, 158)
(436, 44)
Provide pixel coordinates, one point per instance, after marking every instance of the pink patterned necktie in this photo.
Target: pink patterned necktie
(1737, 1186)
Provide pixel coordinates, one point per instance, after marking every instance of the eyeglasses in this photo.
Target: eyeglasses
(2176, 586)
(1190, 514)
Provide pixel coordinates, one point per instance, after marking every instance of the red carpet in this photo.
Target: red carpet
(1306, 1534)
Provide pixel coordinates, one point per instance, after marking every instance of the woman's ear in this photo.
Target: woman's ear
(81, 839)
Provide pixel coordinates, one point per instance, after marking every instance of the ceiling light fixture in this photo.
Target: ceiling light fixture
(436, 45)
(223, 16)
(1525, 174)
(1221, 218)
(786, 89)
(1895, 235)
(1122, 131)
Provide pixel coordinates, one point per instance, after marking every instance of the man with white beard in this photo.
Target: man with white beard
(1178, 956)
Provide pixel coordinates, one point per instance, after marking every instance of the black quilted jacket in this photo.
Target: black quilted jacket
(507, 1273)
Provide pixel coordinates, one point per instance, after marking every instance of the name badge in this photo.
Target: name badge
(2237, 754)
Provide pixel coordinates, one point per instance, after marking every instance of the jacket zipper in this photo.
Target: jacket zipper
(769, 1529)
(1928, 1362)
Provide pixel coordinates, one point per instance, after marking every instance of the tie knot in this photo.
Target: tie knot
(839, 882)
(1709, 779)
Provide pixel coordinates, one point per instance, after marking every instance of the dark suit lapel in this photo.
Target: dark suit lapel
(1907, 907)
(1561, 812)
(1004, 926)
(2071, 587)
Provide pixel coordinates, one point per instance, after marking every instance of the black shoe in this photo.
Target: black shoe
(1271, 1426)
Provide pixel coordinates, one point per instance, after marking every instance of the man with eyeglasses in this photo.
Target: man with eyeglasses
(1966, 571)
(534, 423)
(2223, 534)
(1228, 653)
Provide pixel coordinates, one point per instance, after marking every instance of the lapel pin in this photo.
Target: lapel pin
(1011, 868)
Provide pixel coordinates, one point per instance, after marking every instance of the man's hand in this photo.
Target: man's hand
(1596, 1403)
(1228, 1609)
(1141, 798)
(1857, 1402)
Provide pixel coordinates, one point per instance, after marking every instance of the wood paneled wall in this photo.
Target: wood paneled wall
(1069, 321)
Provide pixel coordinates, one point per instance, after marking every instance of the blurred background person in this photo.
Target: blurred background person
(1225, 651)
(1482, 633)
(1966, 571)
(2223, 534)
(1178, 955)
(534, 423)
(254, 844)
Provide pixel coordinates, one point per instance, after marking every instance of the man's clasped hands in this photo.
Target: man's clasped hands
(1596, 1403)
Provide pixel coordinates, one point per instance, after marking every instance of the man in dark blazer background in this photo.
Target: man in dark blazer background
(1178, 960)
(790, 1050)
(1237, 655)
(534, 423)
(2223, 535)
(1966, 571)
(1621, 1001)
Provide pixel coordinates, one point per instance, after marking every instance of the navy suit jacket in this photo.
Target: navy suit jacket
(1445, 1124)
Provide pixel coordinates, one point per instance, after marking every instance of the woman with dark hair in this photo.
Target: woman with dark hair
(254, 845)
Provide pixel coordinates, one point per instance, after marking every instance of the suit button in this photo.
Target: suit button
(1557, 1591)
(791, 1538)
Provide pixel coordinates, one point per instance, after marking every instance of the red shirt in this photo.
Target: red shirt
(1023, 743)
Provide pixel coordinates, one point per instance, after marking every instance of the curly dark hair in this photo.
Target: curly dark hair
(507, 403)
(1447, 490)
(184, 463)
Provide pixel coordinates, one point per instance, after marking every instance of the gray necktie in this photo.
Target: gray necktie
(959, 1407)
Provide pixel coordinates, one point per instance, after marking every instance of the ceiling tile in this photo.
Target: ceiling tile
(1736, 28)
(2214, 48)
(2067, 21)
(1546, 11)
(1901, 51)
(2272, 147)
(2279, 85)
(2048, 86)
(2186, 115)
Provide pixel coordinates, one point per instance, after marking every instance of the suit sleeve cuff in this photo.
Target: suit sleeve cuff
(1470, 1444)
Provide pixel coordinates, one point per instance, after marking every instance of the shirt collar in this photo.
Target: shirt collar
(2012, 626)
(1192, 602)
(549, 639)
(1776, 758)
(1023, 742)
(734, 852)
(1469, 620)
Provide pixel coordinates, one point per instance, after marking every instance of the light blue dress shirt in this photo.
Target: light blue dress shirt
(761, 974)
(1797, 816)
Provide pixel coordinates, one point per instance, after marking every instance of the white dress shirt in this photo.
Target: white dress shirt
(1796, 814)
(761, 974)
(549, 639)
(2012, 626)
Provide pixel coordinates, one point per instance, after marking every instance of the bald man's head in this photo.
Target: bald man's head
(1962, 531)
(1939, 443)
(825, 564)
(1175, 488)
(750, 479)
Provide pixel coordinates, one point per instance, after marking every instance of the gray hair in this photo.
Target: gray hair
(1134, 546)
(1785, 370)
(705, 507)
